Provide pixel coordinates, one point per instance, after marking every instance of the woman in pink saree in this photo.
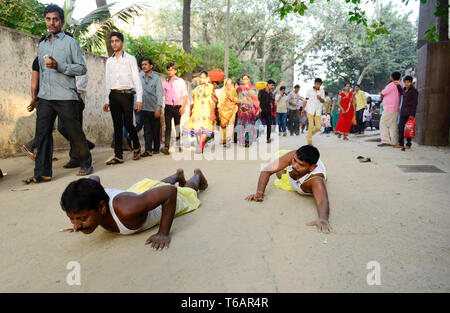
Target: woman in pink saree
(248, 111)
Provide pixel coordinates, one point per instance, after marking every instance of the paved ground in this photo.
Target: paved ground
(378, 212)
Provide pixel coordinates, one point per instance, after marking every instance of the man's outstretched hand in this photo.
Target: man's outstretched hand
(255, 197)
(158, 241)
(322, 225)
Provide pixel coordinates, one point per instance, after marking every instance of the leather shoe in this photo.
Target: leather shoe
(72, 164)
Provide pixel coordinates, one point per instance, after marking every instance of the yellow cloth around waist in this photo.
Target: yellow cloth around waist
(187, 200)
(283, 182)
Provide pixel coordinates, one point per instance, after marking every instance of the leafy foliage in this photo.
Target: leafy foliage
(212, 57)
(23, 15)
(92, 30)
(357, 16)
(349, 57)
(161, 53)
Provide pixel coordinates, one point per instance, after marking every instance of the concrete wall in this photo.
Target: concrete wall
(433, 84)
(17, 125)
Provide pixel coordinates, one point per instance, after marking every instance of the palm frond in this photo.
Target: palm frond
(99, 15)
(105, 23)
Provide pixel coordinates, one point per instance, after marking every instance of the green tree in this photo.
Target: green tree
(346, 55)
(212, 57)
(23, 15)
(373, 27)
(93, 29)
(161, 53)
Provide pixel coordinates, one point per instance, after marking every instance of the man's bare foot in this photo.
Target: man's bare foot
(181, 179)
(203, 182)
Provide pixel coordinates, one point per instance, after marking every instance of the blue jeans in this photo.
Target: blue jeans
(281, 121)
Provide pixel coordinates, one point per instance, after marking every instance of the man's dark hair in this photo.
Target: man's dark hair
(408, 78)
(54, 8)
(204, 72)
(81, 194)
(326, 93)
(283, 88)
(116, 34)
(171, 64)
(396, 75)
(357, 86)
(296, 86)
(308, 154)
(148, 60)
(245, 75)
(318, 80)
(270, 82)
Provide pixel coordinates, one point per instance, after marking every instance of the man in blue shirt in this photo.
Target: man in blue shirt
(60, 60)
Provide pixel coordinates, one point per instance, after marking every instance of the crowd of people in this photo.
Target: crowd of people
(241, 112)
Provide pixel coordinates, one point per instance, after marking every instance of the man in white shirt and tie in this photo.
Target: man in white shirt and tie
(122, 82)
(313, 107)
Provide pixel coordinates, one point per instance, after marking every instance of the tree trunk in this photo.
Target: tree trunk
(102, 3)
(317, 37)
(206, 38)
(187, 26)
(442, 21)
(364, 72)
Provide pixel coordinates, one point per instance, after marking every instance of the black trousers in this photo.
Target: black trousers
(68, 113)
(171, 112)
(268, 118)
(151, 131)
(294, 121)
(121, 107)
(359, 120)
(74, 157)
(401, 130)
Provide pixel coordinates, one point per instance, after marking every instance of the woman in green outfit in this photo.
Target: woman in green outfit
(335, 112)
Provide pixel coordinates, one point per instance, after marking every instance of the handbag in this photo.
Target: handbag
(354, 122)
(410, 128)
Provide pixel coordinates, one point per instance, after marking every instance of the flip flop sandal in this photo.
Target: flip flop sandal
(114, 161)
(146, 154)
(365, 160)
(85, 171)
(137, 154)
(36, 180)
(359, 157)
(29, 153)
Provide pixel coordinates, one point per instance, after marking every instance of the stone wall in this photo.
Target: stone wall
(17, 125)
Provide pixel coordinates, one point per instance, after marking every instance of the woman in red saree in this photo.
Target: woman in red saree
(347, 107)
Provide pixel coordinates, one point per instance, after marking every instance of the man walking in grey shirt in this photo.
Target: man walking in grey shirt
(293, 111)
(60, 60)
(152, 103)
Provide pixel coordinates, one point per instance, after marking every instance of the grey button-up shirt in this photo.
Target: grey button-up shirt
(60, 84)
(152, 95)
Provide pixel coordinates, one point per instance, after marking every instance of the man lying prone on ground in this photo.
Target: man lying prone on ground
(306, 174)
(144, 205)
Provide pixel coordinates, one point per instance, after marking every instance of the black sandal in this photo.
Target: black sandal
(85, 171)
(36, 180)
(146, 154)
(113, 161)
(137, 154)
